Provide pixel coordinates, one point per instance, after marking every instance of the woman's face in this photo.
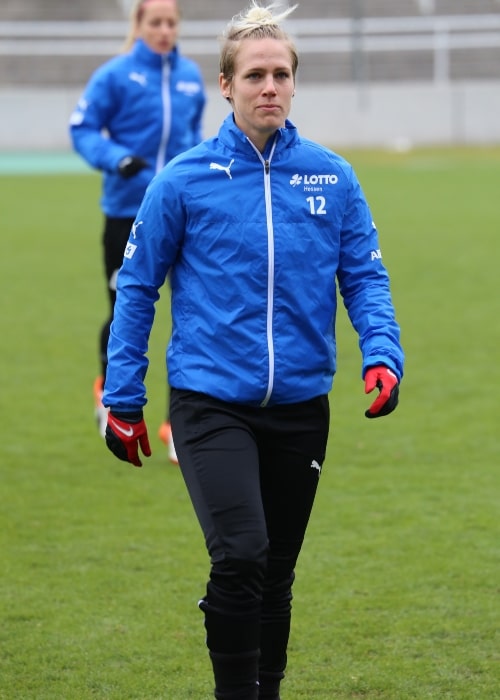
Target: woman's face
(261, 89)
(158, 25)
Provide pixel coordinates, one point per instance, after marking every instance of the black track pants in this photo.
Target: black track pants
(252, 475)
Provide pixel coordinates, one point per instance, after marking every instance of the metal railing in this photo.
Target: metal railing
(436, 34)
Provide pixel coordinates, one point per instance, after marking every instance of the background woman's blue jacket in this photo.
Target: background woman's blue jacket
(256, 244)
(139, 103)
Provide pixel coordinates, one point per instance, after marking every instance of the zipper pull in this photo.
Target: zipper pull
(267, 166)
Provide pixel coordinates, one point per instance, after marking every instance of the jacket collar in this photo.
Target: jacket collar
(143, 53)
(232, 137)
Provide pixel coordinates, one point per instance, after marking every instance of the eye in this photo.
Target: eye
(283, 75)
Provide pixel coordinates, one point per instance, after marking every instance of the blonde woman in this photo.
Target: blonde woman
(138, 111)
(258, 228)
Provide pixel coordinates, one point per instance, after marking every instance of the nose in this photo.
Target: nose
(269, 86)
(166, 28)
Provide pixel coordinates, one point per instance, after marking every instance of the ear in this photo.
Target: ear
(225, 87)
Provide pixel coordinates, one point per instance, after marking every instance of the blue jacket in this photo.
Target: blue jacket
(256, 245)
(139, 103)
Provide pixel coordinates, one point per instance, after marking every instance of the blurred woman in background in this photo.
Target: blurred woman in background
(138, 111)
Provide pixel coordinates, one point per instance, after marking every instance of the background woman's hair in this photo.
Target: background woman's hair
(135, 15)
(257, 22)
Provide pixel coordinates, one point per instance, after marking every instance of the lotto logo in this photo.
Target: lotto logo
(313, 180)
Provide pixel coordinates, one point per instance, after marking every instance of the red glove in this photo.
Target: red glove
(387, 383)
(125, 431)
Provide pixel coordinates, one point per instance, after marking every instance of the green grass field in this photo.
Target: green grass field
(397, 590)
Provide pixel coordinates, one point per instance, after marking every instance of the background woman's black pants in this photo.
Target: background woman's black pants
(114, 240)
(252, 475)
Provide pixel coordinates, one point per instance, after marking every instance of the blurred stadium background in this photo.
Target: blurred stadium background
(373, 73)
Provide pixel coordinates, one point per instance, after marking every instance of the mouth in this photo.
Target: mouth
(164, 46)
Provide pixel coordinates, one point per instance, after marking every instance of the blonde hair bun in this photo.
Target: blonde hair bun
(257, 16)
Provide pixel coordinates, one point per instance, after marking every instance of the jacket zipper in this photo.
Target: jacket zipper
(167, 114)
(270, 268)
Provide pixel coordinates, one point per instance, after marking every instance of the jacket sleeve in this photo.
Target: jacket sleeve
(364, 285)
(91, 116)
(151, 250)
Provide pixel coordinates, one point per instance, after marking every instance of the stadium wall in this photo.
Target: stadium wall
(386, 115)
